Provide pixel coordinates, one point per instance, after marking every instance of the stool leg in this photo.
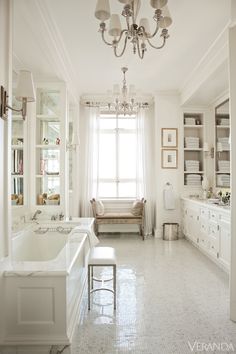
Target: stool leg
(114, 285)
(89, 287)
(92, 278)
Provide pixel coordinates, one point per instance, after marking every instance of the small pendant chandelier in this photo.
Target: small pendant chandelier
(123, 101)
(138, 35)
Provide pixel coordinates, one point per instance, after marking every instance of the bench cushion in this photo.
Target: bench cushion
(117, 216)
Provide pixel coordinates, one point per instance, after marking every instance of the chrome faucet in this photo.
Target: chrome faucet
(34, 217)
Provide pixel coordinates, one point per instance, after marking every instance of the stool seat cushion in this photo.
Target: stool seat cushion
(102, 255)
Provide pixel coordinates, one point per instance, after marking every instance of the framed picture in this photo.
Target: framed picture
(169, 158)
(169, 137)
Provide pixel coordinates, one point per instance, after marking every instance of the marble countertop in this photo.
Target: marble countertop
(205, 203)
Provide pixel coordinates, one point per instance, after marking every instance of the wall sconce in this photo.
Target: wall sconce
(24, 92)
(73, 144)
(208, 151)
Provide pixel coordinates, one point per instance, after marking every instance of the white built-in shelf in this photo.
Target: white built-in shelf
(51, 118)
(193, 126)
(43, 176)
(17, 147)
(17, 117)
(223, 127)
(224, 173)
(197, 149)
(48, 147)
(193, 172)
(17, 176)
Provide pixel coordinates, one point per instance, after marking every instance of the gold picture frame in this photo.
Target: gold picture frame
(169, 158)
(169, 138)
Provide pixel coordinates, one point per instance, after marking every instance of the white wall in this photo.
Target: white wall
(5, 78)
(232, 59)
(5, 126)
(168, 115)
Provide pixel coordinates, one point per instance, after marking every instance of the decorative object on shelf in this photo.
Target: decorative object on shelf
(58, 141)
(169, 137)
(123, 101)
(169, 158)
(24, 92)
(45, 141)
(138, 35)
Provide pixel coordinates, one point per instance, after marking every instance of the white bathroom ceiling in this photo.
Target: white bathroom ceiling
(59, 39)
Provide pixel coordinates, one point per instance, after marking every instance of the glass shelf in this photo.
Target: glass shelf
(48, 146)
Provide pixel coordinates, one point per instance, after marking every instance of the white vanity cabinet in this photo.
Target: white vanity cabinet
(225, 240)
(208, 228)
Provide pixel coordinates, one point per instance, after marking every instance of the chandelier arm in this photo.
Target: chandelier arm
(161, 46)
(104, 40)
(121, 35)
(115, 51)
(155, 32)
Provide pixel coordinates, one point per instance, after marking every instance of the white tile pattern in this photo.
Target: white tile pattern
(169, 294)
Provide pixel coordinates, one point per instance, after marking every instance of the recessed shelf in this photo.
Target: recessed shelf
(222, 173)
(17, 147)
(197, 149)
(194, 172)
(48, 117)
(48, 147)
(193, 126)
(223, 127)
(51, 176)
(17, 176)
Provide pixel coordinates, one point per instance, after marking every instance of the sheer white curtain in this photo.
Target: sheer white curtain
(88, 158)
(145, 165)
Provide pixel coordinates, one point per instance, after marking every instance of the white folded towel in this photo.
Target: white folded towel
(169, 199)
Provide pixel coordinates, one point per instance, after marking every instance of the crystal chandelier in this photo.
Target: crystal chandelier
(123, 101)
(138, 35)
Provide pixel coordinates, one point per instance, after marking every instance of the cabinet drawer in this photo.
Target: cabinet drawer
(214, 216)
(204, 227)
(204, 212)
(214, 246)
(213, 230)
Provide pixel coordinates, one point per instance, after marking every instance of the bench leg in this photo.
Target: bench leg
(114, 285)
(95, 228)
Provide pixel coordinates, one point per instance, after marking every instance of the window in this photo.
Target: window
(117, 156)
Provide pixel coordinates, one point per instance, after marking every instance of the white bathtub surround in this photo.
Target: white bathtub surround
(44, 282)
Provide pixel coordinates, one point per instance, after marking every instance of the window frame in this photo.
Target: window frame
(117, 131)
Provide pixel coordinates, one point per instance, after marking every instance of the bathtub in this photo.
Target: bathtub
(44, 283)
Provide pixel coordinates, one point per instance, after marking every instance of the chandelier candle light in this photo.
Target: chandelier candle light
(124, 100)
(137, 35)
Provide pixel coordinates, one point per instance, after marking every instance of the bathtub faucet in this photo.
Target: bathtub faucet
(34, 217)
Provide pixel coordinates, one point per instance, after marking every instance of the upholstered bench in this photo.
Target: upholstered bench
(135, 216)
(101, 257)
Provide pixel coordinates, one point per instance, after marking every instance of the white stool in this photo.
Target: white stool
(101, 257)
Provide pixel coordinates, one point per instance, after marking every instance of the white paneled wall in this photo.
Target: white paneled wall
(168, 115)
(5, 80)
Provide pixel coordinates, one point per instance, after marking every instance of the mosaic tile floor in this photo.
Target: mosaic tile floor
(171, 300)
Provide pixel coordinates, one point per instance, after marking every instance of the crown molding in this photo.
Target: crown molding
(52, 46)
(216, 55)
